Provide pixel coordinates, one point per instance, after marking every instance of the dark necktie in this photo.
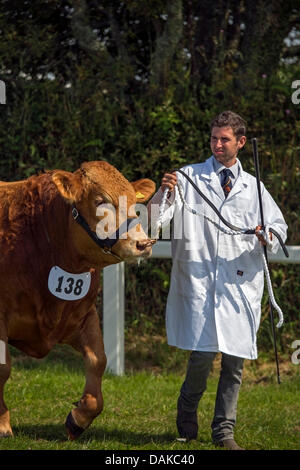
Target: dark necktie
(226, 182)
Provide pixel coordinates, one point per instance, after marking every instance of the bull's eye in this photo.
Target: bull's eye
(99, 201)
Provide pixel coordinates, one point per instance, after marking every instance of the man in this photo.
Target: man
(214, 302)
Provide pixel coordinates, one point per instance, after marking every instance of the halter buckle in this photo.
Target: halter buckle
(75, 213)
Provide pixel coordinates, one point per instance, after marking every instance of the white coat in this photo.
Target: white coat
(214, 301)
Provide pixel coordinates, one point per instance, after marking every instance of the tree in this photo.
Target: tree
(136, 82)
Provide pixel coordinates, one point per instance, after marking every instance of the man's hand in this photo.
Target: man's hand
(169, 181)
(260, 237)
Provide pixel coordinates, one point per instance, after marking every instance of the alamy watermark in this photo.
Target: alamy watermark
(2, 352)
(296, 354)
(2, 92)
(296, 94)
(184, 227)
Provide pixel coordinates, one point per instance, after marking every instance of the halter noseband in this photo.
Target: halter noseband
(105, 244)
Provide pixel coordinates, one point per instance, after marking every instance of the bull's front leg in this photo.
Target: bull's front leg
(90, 343)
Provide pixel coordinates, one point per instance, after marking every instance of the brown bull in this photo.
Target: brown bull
(50, 269)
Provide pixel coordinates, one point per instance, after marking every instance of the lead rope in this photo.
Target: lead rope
(227, 232)
(161, 213)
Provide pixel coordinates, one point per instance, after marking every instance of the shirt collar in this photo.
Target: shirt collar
(218, 167)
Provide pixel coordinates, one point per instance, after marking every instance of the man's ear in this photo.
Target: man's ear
(69, 185)
(144, 189)
(242, 141)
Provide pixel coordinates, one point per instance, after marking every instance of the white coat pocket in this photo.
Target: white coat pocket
(190, 279)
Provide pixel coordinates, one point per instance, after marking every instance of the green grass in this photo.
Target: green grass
(140, 408)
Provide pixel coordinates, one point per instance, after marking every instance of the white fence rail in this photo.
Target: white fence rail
(114, 302)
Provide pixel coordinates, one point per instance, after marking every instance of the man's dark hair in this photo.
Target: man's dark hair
(230, 119)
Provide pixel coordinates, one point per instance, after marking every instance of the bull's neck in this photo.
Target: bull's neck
(59, 238)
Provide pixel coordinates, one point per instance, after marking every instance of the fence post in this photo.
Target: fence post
(2, 92)
(113, 317)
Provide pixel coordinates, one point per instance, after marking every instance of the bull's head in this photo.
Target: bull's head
(104, 212)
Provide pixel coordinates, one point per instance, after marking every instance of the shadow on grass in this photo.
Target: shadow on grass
(48, 432)
(57, 433)
(61, 354)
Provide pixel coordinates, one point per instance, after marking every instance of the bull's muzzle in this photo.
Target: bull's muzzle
(143, 244)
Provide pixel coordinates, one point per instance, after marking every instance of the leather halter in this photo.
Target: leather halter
(105, 244)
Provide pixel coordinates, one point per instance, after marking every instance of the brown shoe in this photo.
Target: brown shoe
(229, 444)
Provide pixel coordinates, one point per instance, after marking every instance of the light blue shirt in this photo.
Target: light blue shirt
(235, 169)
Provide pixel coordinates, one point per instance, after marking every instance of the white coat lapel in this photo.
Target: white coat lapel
(240, 184)
(216, 186)
(212, 180)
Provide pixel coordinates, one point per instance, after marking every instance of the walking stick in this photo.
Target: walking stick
(257, 174)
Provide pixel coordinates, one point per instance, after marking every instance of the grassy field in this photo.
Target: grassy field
(140, 407)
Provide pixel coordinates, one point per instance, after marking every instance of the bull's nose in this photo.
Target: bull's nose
(143, 244)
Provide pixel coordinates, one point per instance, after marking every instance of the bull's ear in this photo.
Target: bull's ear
(68, 184)
(144, 189)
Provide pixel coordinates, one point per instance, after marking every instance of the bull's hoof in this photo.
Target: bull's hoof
(6, 434)
(73, 430)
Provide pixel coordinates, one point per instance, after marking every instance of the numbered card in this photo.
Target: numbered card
(68, 286)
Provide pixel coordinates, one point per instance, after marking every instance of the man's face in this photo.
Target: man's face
(224, 145)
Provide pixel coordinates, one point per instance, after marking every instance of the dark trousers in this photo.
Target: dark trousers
(198, 369)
